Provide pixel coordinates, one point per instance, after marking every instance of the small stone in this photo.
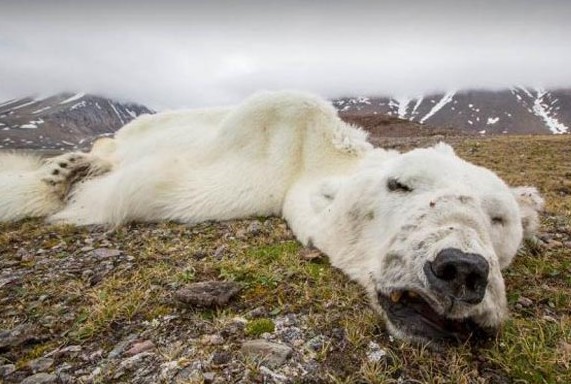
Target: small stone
(272, 354)
(87, 248)
(208, 377)
(120, 347)
(40, 378)
(375, 353)
(219, 252)
(70, 349)
(553, 244)
(208, 293)
(65, 378)
(254, 228)
(96, 355)
(7, 369)
(190, 374)
(524, 301)
(95, 373)
(221, 357)
(168, 371)
(567, 244)
(140, 347)
(310, 253)
(40, 364)
(276, 378)
(565, 347)
(211, 340)
(19, 335)
(105, 252)
(134, 361)
(257, 312)
(316, 343)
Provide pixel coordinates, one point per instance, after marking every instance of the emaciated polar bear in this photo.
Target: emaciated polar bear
(426, 233)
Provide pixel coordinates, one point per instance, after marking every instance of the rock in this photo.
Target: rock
(553, 244)
(254, 228)
(7, 369)
(65, 378)
(120, 347)
(219, 252)
(375, 352)
(272, 354)
(567, 244)
(40, 364)
(211, 340)
(257, 312)
(208, 377)
(40, 378)
(310, 253)
(168, 371)
(105, 252)
(316, 343)
(7, 280)
(140, 347)
(276, 378)
(190, 374)
(135, 360)
(208, 293)
(221, 357)
(565, 347)
(19, 335)
(525, 302)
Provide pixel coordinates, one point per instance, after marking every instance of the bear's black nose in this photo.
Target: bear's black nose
(462, 276)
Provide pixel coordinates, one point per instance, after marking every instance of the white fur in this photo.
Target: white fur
(289, 154)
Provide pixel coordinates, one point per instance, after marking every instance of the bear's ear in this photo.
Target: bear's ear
(530, 204)
(444, 148)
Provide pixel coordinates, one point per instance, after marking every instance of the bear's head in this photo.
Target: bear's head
(429, 235)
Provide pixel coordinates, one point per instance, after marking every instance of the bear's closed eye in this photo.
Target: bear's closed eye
(394, 185)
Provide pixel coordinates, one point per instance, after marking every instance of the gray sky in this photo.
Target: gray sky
(169, 54)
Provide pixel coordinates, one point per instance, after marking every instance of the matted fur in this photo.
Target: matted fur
(288, 154)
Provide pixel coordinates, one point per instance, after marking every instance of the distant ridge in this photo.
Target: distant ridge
(518, 110)
(63, 121)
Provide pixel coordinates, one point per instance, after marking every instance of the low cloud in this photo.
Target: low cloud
(175, 54)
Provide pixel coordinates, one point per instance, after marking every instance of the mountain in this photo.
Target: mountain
(63, 121)
(518, 110)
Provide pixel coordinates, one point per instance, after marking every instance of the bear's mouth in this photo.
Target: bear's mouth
(411, 313)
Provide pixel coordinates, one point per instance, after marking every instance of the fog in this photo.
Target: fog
(183, 54)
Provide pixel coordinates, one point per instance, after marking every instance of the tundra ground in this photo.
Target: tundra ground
(92, 305)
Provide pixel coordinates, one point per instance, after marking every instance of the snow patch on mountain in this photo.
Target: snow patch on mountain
(447, 98)
(75, 97)
(541, 110)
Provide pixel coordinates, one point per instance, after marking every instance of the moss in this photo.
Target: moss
(258, 326)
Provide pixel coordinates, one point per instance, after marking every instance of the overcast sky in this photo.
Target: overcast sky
(169, 54)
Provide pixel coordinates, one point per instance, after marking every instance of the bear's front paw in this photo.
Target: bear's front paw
(58, 170)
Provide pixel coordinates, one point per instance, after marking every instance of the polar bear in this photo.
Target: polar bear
(425, 232)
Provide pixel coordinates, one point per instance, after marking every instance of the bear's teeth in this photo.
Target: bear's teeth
(395, 296)
(412, 294)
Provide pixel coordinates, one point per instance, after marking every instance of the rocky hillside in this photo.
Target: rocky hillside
(517, 110)
(63, 121)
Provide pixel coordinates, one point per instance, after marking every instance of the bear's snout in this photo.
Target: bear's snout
(458, 275)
